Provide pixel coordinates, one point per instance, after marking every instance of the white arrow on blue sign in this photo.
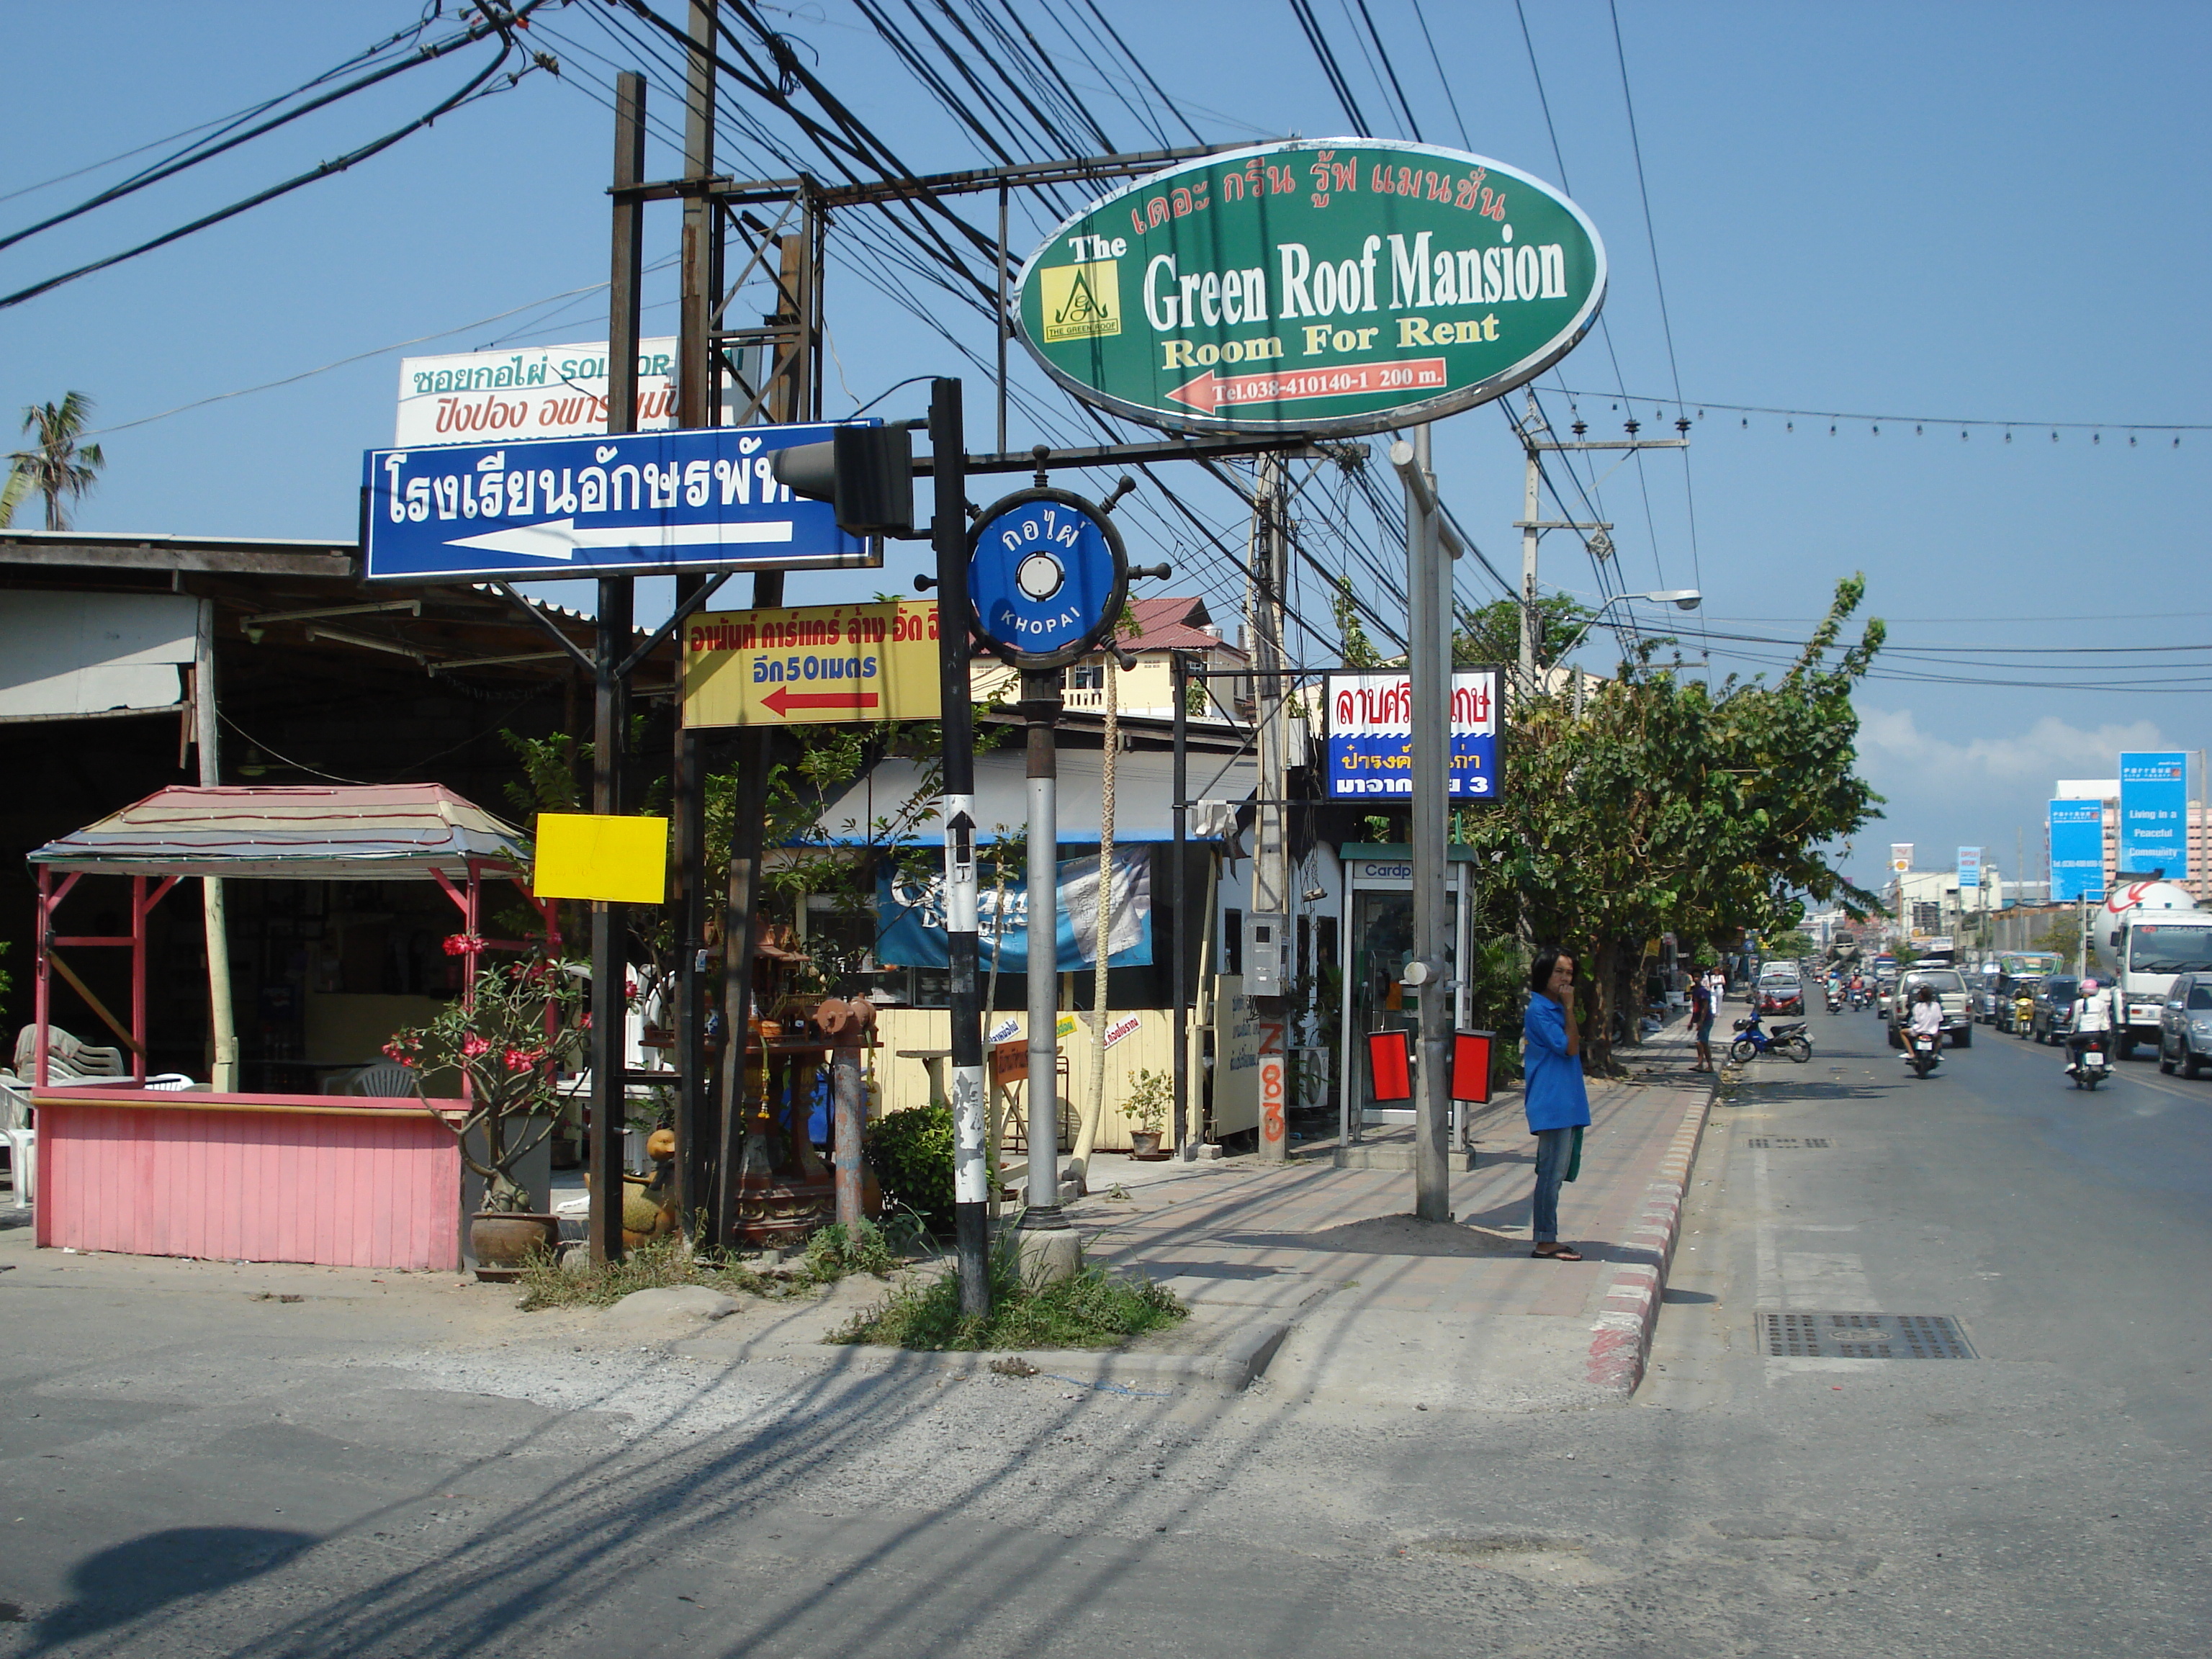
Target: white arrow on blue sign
(705, 500)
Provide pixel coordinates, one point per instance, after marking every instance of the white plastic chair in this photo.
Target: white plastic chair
(386, 1077)
(23, 1162)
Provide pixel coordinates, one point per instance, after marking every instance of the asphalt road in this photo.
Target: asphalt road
(187, 1468)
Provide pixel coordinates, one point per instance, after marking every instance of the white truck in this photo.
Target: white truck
(2143, 935)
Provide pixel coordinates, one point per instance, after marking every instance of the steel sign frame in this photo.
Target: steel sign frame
(555, 509)
(1300, 152)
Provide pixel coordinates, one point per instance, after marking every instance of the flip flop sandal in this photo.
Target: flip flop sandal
(1567, 1253)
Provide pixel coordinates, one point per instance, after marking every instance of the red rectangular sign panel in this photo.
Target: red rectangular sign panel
(1390, 1064)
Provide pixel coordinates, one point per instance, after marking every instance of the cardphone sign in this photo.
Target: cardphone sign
(600, 505)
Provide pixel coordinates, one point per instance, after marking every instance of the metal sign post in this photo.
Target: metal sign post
(1047, 578)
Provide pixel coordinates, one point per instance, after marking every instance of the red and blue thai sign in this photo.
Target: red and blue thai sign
(1370, 735)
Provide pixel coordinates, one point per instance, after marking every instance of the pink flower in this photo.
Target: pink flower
(521, 1059)
(459, 945)
(473, 1045)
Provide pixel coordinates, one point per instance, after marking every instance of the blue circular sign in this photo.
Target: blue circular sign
(1047, 577)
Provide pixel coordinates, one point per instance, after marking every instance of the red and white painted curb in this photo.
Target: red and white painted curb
(1621, 1339)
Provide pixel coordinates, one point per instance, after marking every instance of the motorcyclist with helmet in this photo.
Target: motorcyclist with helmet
(2092, 1024)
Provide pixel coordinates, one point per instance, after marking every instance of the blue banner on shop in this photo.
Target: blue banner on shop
(910, 919)
(2154, 812)
(2077, 850)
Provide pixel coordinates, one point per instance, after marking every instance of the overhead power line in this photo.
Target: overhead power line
(1918, 422)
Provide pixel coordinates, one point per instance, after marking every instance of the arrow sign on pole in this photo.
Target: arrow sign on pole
(597, 505)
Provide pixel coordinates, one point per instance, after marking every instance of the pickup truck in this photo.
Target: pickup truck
(1950, 988)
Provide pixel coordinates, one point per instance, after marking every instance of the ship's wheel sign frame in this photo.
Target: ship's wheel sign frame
(1047, 577)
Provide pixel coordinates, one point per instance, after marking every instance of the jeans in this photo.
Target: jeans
(1552, 1147)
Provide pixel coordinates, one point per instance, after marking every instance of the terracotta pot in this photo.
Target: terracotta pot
(500, 1241)
(1144, 1146)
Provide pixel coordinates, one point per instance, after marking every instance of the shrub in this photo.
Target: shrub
(911, 1153)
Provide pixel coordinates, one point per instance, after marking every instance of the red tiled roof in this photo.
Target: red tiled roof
(1173, 625)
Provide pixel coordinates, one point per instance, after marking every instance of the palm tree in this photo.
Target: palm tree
(58, 468)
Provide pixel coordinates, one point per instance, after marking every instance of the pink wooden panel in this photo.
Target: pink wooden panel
(374, 1190)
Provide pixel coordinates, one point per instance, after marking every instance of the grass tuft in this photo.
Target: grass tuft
(1091, 1310)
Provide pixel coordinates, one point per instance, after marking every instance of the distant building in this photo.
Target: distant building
(1162, 626)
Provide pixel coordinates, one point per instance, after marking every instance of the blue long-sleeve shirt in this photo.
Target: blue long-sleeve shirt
(1554, 1095)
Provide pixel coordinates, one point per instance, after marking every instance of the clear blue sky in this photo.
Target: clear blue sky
(1985, 211)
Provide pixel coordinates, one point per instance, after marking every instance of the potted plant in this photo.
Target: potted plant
(508, 1037)
(1150, 1091)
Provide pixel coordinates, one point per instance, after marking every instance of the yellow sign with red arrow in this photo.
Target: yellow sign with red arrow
(816, 665)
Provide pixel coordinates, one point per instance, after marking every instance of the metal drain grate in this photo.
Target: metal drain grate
(1862, 1336)
(1787, 1144)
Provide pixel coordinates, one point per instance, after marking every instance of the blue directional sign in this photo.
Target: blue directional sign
(2077, 850)
(2154, 811)
(1047, 576)
(598, 506)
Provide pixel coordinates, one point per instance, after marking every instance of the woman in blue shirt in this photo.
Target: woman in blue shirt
(1554, 1097)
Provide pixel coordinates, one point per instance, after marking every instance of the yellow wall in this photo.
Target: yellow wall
(906, 1083)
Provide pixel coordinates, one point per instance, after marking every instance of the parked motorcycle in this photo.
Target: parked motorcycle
(1752, 1041)
(2090, 1064)
(1923, 1053)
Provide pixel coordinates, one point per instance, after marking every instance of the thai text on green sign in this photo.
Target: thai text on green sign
(1332, 287)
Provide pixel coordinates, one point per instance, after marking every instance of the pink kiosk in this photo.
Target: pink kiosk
(340, 1179)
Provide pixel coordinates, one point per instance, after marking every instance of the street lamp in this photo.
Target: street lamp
(1686, 599)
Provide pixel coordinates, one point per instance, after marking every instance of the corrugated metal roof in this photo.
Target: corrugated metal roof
(366, 832)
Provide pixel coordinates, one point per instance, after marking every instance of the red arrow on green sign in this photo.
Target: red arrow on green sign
(1211, 392)
(783, 701)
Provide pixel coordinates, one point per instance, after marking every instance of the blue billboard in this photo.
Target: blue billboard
(2077, 850)
(563, 507)
(2154, 811)
(1969, 867)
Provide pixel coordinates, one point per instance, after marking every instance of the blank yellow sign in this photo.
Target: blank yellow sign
(581, 855)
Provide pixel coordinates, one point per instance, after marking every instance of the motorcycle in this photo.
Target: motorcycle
(2023, 1014)
(1923, 1053)
(1859, 998)
(1835, 1002)
(2090, 1064)
(1752, 1041)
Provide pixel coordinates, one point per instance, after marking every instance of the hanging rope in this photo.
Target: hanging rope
(1094, 1114)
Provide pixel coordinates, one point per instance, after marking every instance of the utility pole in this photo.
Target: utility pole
(948, 534)
(1428, 657)
(609, 706)
(1532, 528)
(696, 405)
(222, 1018)
(1269, 920)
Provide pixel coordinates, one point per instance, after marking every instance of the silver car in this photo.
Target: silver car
(2184, 1025)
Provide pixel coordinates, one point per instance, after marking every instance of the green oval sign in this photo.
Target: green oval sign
(1329, 286)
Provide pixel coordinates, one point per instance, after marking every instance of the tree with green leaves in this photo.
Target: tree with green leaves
(59, 467)
(1491, 633)
(1668, 805)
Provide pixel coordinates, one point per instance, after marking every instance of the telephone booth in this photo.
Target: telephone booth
(1379, 935)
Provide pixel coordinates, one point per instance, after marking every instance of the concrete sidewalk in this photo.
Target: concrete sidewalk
(1378, 1307)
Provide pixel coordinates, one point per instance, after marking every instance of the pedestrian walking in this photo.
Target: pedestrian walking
(1553, 1095)
(1701, 1023)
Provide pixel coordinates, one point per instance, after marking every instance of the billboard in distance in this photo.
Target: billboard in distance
(529, 391)
(2077, 850)
(2154, 812)
(1969, 867)
(1900, 857)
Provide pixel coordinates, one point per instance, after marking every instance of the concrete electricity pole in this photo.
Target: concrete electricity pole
(1268, 927)
(1428, 640)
